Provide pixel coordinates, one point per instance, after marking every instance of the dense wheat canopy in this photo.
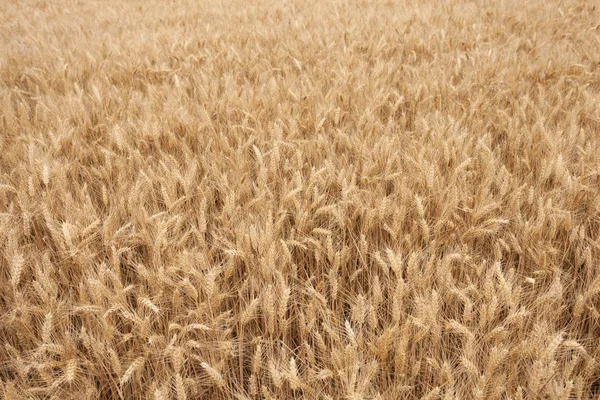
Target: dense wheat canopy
(299, 199)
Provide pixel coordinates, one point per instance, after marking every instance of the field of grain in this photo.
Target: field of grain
(292, 199)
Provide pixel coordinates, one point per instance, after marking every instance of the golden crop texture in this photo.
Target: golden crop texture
(265, 199)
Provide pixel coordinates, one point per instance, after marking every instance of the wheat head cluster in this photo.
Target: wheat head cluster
(345, 199)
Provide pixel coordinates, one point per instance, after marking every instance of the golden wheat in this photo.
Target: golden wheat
(388, 199)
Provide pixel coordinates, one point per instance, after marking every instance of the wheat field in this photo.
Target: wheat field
(307, 199)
